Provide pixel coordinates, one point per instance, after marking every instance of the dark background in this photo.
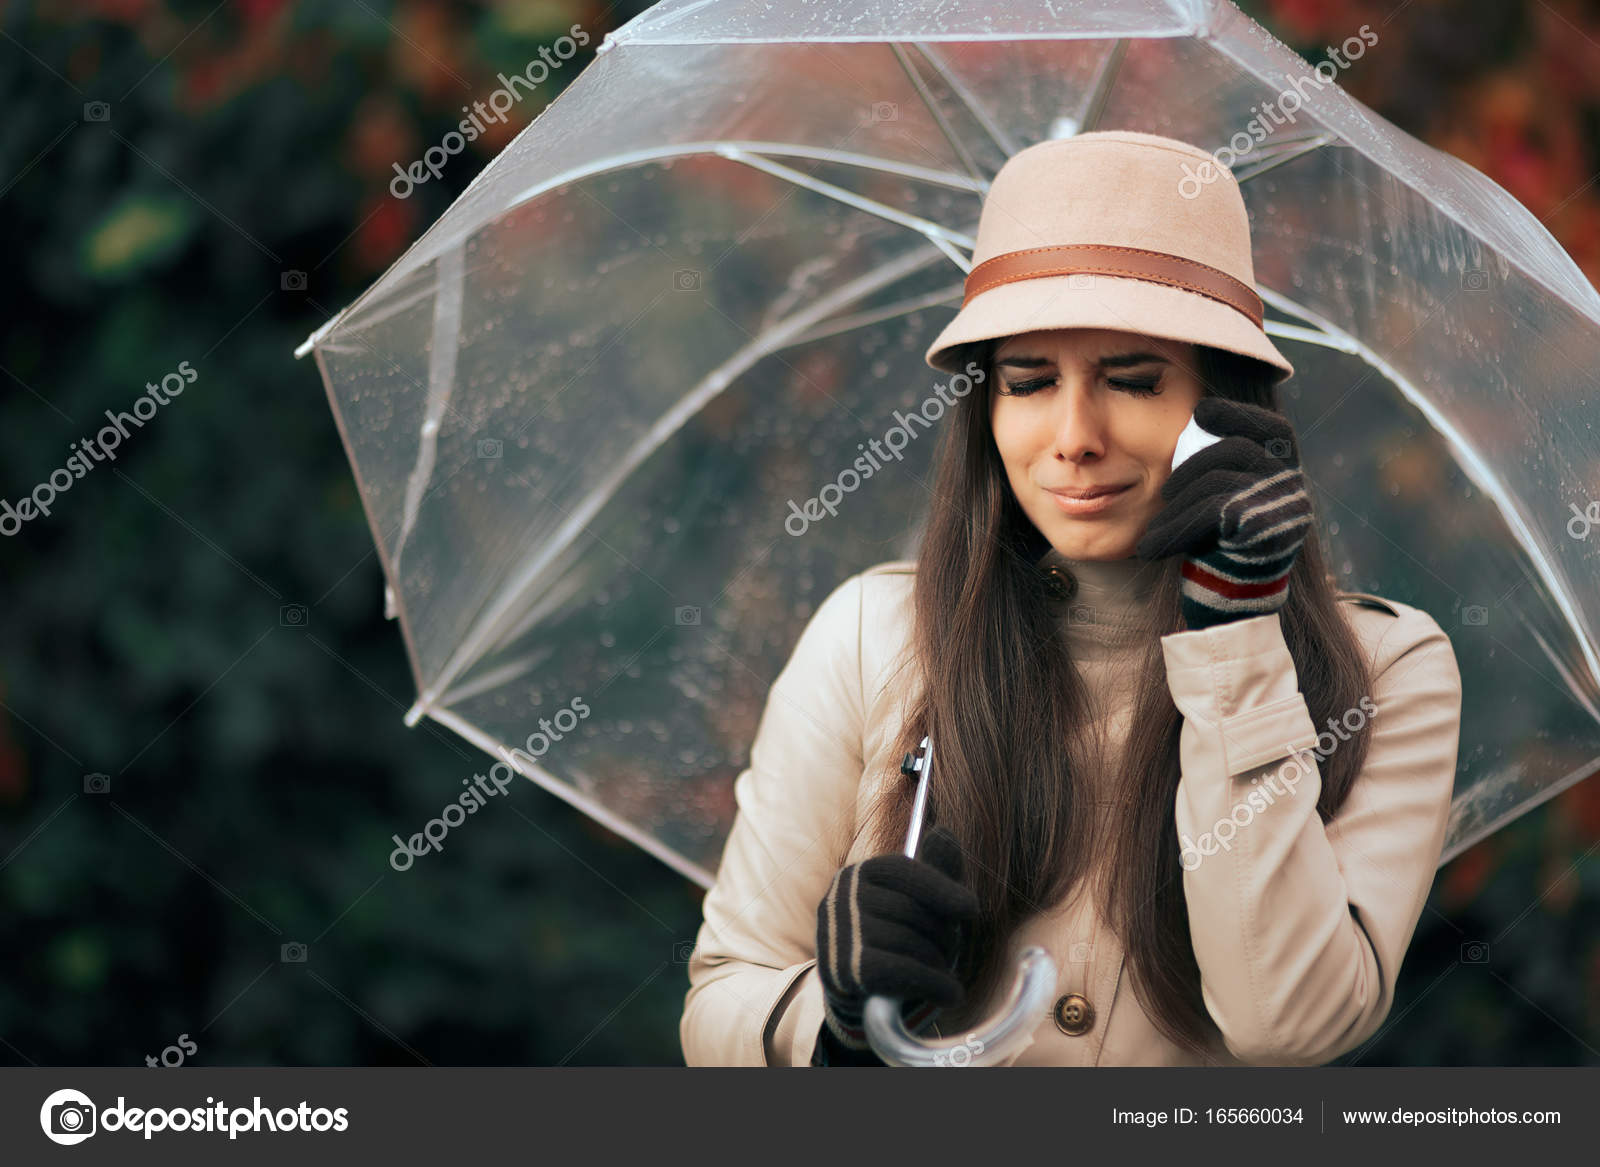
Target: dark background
(255, 766)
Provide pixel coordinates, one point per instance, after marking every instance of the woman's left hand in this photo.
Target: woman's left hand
(1237, 511)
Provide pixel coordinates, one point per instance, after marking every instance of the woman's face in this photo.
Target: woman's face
(1075, 409)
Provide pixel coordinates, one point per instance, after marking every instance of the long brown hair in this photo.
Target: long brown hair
(1009, 717)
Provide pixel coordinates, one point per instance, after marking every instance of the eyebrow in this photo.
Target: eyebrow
(1117, 361)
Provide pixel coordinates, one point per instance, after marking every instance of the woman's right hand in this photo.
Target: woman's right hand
(891, 925)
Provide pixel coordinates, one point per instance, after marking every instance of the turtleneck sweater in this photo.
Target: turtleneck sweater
(1102, 623)
(1111, 594)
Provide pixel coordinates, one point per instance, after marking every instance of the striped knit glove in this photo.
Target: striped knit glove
(890, 925)
(1238, 512)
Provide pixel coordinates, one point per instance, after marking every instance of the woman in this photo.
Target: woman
(1167, 749)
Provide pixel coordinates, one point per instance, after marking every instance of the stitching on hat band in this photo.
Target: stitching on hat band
(1130, 262)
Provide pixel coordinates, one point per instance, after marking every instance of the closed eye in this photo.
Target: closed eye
(1137, 387)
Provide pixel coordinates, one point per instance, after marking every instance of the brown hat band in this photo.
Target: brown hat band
(1130, 262)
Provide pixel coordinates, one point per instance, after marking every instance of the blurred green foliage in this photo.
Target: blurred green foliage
(255, 758)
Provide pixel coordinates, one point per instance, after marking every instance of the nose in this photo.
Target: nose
(1080, 428)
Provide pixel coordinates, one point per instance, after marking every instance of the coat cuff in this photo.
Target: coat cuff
(1236, 683)
(789, 1036)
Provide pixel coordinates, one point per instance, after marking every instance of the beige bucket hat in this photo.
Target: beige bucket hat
(1113, 229)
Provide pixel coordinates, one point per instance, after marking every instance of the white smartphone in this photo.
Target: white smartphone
(1192, 440)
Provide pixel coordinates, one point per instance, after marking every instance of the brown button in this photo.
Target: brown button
(1074, 1015)
(1059, 583)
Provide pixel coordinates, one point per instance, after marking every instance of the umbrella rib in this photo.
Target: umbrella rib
(1472, 464)
(861, 319)
(496, 677)
(441, 384)
(1094, 102)
(939, 119)
(979, 111)
(552, 598)
(1573, 683)
(959, 182)
(941, 237)
(393, 308)
(1307, 335)
(502, 609)
(565, 790)
(1287, 153)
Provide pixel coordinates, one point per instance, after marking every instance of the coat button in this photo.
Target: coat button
(1058, 583)
(1074, 1015)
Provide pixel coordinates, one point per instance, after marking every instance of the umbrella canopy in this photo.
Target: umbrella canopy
(587, 410)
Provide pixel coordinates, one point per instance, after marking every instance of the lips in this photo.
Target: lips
(1086, 492)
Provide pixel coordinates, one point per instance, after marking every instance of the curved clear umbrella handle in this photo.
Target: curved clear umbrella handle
(1024, 1008)
(1019, 1016)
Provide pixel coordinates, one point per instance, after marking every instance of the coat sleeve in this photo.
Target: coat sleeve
(1299, 929)
(754, 995)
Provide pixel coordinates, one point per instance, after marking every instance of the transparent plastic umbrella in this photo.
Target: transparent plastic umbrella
(588, 410)
(1009, 1032)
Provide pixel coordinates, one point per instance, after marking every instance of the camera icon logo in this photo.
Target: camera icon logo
(292, 953)
(885, 111)
(1475, 614)
(682, 951)
(1475, 952)
(97, 783)
(490, 448)
(292, 281)
(1279, 447)
(67, 1117)
(97, 111)
(1475, 279)
(688, 615)
(293, 615)
(686, 280)
(1080, 279)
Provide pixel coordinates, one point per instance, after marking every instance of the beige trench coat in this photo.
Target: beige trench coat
(1298, 929)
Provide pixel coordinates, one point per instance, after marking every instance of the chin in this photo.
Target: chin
(1105, 543)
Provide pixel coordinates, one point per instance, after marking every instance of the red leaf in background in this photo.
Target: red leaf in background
(1524, 172)
(13, 766)
(1304, 20)
(428, 52)
(381, 135)
(1580, 806)
(256, 12)
(124, 11)
(1465, 875)
(202, 84)
(381, 238)
(1567, 58)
